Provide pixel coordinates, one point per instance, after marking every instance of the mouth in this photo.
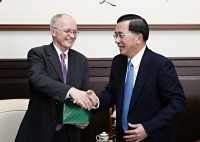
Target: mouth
(69, 40)
(120, 46)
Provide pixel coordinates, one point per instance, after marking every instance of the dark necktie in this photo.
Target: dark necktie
(64, 72)
(64, 69)
(127, 95)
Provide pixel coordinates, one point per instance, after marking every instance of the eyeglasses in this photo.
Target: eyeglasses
(121, 35)
(67, 31)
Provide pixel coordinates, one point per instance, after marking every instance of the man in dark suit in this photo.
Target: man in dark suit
(49, 85)
(156, 96)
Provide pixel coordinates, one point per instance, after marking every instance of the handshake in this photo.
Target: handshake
(84, 99)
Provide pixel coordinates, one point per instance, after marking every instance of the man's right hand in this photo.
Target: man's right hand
(80, 98)
(93, 98)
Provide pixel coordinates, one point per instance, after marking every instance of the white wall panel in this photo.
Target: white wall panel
(100, 44)
(91, 12)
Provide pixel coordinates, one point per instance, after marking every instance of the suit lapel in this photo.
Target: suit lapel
(142, 75)
(71, 65)
(122, 74)
(54, 60)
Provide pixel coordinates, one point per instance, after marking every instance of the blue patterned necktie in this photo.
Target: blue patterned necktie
(127, 95)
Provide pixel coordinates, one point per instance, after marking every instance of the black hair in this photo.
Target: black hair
(137, 24)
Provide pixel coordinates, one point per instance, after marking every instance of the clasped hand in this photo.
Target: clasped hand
(86, 100)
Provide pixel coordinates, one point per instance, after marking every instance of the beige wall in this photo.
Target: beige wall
(91, 12)
(100, 44)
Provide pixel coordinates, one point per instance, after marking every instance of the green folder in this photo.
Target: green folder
(70, 113)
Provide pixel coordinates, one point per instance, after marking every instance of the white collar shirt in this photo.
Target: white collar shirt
(136, 62)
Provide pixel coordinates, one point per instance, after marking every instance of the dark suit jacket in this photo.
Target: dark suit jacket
(157, 99)
(47, 88)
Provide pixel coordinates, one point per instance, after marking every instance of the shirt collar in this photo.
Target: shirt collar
(59, 52)
(137, 58)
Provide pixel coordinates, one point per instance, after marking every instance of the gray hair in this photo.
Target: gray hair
(55, 18)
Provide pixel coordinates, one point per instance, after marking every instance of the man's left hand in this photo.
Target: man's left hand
(136, 133)
(81, 126)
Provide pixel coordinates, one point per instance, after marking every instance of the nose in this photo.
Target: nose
(117, 40)
(71, 34)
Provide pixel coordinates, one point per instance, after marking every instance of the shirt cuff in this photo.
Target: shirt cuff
(67, 95)
(98, 103)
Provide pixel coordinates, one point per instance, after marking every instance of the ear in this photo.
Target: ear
(140, 38)
(52, 32)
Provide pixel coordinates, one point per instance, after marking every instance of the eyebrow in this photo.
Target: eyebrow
(70, 29)
(118, 32)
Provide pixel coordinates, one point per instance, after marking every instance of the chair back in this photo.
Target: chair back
(11, 114)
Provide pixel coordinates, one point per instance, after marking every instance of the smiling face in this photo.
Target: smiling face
(129, 43)
(64, 32)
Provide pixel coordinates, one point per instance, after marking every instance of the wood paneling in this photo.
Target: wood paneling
(96, 27)
(14, 84)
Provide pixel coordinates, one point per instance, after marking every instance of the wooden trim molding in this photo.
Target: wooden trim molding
(96, 27)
